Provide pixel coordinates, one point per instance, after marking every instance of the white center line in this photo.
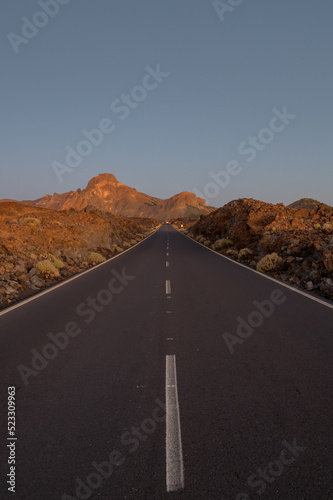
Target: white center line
(167, 287)
(167, 254)
(167, 264)
(174, 452)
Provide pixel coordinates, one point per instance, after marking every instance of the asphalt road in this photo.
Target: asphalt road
(152, 393)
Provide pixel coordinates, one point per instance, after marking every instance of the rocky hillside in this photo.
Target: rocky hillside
(308, 204)
(39, 246)
(294, 245)
(106, 193)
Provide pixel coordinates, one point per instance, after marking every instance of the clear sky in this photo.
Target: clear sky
(223, 73)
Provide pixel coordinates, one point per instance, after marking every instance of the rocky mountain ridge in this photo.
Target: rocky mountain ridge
(106, 193)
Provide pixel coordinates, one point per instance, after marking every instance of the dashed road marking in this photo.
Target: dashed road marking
(174, 452)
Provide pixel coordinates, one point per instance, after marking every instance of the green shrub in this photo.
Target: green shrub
(245, 254)
(222, 243)
(133, 241)
(117, 249)
(95, 258)
(48, 269)
(232, 253)
(58, 263)
(31, 221)
(271, 262)
(317, 226)
(207, 243)
(126, 244)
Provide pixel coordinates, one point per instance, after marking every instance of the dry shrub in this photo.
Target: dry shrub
(271, 262)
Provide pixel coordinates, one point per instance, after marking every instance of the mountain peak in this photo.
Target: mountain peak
(102, 178)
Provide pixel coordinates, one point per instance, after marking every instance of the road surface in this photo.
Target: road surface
(168, 372)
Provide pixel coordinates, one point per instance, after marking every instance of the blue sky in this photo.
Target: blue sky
(225, 77)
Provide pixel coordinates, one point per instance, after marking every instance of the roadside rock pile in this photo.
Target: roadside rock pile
(253, 231)
(39, 246)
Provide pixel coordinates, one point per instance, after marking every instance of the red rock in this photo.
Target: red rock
(302, 213)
